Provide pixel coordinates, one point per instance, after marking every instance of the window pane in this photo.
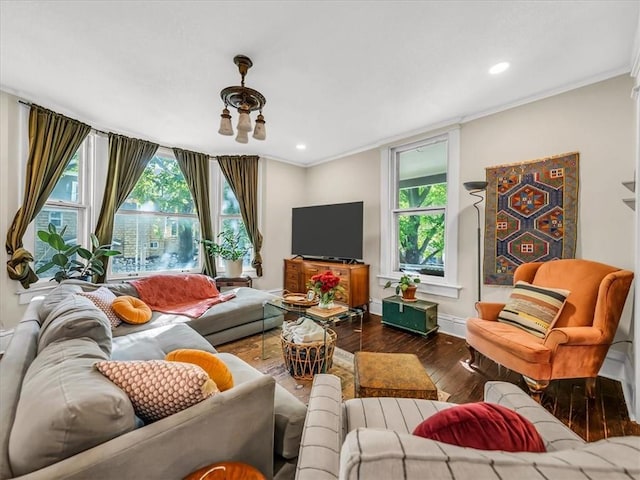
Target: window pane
(229, 203)
(42, 252)
(422, 176)
(152, 243)
(421, 243)
(66, 189)
(161, 188)
(237, 226)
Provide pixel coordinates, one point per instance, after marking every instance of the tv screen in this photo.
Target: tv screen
(328, 231)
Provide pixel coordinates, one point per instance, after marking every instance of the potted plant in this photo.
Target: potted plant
(407, 284)
(72, 260)
(231, 248)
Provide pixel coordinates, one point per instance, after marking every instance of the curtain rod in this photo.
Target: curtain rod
(29, 104)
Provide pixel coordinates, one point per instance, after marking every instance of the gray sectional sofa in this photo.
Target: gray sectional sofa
(370, 438)
(60, 418)
(236, 318)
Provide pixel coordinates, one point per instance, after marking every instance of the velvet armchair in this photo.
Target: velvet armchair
(577, 341)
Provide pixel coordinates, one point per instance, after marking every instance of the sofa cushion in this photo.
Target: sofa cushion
(54, 297)
(213, 365)
(157, 388)
(103, 298)
(131, 309)
(533, 308)
(155, 343)
(485, 426)
(289, 411)
(75, 317)
(65, 407)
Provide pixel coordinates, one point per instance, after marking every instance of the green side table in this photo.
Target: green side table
(418, 317)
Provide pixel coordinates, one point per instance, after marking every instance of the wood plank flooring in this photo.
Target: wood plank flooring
(444, 356)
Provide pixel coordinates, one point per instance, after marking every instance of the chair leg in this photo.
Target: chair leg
(591, 387)
(472, 355)
(536, 387)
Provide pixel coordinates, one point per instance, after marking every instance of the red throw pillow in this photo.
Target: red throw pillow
(485, 426)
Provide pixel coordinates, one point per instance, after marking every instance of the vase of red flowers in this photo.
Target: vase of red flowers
(325, 286)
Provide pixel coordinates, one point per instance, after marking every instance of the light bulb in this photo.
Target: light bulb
(260, 133)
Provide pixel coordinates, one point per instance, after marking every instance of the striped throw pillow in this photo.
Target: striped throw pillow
(533, 308)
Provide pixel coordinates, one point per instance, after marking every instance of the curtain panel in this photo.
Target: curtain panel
(195, 168)
(53, 140)
(128, 157)
(241, 172)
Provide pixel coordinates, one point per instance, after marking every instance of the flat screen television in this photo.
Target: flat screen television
(328, 231)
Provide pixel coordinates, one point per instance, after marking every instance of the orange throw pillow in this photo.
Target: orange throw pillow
(216, 368)
(131, 310)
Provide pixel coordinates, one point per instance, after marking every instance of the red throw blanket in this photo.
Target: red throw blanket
(189, 294)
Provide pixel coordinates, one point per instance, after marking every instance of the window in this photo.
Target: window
(230, 218)
(66, 206)
(157, 227)
(421, 199)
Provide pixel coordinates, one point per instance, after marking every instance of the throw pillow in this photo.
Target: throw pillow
(485, 426)
(103, 298)
(533, 308)
(158, 388)
(131, 310)
(216, 368)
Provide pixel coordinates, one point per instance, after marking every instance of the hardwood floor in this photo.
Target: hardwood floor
(444, 356)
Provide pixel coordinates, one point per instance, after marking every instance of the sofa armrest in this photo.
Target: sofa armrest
(489, 310)
(555, 434)
(370, 453)
(236, 425)
(319, 456)
(573, 336)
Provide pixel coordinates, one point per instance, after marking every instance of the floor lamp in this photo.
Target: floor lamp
(474, 189)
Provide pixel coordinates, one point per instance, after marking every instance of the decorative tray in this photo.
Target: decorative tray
(298, 299)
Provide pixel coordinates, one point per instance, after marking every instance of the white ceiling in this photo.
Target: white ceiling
(339, 76)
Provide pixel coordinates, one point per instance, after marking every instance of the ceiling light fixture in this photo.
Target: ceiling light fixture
(499, 68)
(301, 146)
(245, 100)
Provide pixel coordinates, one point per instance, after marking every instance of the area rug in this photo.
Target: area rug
(250, 350)
(531, 215)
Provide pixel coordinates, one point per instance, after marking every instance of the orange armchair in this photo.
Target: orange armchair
(576, 344)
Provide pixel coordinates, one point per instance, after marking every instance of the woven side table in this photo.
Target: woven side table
(399, 375)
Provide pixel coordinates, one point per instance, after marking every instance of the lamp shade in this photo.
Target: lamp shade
(225, 123)
(242, 137)
(260, 132)
(244, 121)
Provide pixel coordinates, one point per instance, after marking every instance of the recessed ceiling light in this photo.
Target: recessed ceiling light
(499, 68)
(301, 146)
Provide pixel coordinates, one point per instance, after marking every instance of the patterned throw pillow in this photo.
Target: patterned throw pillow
(131, 310)
(533, 308)
(158, 388)
(215, 368)
(103, 298)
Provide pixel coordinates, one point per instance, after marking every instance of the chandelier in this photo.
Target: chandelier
(245, 100)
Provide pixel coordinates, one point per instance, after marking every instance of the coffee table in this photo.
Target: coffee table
(399, 375)
(324, 319)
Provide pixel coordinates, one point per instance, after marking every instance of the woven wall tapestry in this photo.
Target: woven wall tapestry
(531, 215)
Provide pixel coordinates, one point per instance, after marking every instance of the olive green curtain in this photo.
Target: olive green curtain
(53, 140)
(241, 173)
(128, 158)
(195, 168)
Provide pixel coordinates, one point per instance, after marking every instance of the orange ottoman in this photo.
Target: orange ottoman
(392, 375)
(226, 471)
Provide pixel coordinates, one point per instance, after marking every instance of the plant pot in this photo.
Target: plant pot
(233, 268)
(409, 295)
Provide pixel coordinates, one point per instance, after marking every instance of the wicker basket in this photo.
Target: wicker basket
(304, 360)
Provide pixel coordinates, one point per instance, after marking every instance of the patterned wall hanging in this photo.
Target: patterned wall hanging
(531, 215)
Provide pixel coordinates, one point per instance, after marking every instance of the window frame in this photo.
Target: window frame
(447, 285)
